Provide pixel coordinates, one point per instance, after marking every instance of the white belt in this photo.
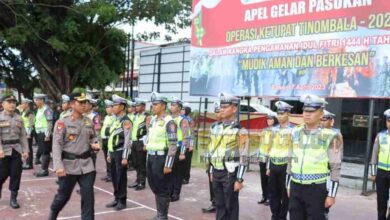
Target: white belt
(156, 153)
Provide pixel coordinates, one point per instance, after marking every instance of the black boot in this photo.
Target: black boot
(112, 204)
(53, 215)
(133, 185)
(157, 207)
(210, 209)
(37, 161)
(262, 201)
(120, 206)
(140, 186)
(162, 212)
(14, 202)
(26, 167)
(44, 166)
(42, 173)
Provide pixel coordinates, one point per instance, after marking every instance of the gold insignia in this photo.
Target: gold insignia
(127, 125)
(71, 137)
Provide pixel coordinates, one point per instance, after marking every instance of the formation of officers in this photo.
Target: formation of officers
(299, 164)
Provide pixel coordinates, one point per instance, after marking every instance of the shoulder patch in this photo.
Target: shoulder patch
(60, 125)
(171, 126)
(127, 124)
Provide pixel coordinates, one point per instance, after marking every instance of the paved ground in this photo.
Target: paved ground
(36, 194)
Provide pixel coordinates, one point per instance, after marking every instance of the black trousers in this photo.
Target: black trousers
(140, 161)
(38, 153)
(212, 196)
(11, 166)
(66, 185)
(30, 158)
(264, 179)
(119, 176)
(382, 191)
(159, 183)
(307, 202)
(226, 200)
(105, 151)
(178, 170)
(187, 173)
(44, 147)
(278, 192)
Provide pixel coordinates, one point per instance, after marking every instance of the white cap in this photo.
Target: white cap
(387, 113)
(312, 102)
(328, 114)
(116, 99)
(26, 100)
(65, 98)
(108, 103)
(226, 98)
(39, 96)
(283, 106)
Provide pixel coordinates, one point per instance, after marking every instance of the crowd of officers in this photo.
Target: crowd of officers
(299, 164)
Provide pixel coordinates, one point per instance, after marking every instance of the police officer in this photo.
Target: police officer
(131, 160)
(119, 147)
(105, 134)
(13, 147)
(131, 109)
(265, 144)
(185, 112)
(92, 114)
(73, 140)
(380, 168)
(215, 128)
(43, 129)
(313, 170)
(277, 163)
(184, 139)
(28, 122)
(327, 121)
(161, 147)
(140, 121)
(65, 106)
(229, 159)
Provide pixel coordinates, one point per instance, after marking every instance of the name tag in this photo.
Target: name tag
(4, 124)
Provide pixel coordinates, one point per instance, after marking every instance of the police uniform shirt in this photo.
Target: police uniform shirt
(186, 135)
(65, 113)
(30, 115)
(121, 124)
(12, 129)
(171, 131)
(240, 147)
(334, 153)
(75, 137)
(376, 150)
(48, 114)
(95, 118)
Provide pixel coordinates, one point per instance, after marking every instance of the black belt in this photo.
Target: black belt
(70, 156)
(10, 142)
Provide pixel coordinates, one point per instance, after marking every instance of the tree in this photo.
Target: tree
(16, 71)
(77, 43)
